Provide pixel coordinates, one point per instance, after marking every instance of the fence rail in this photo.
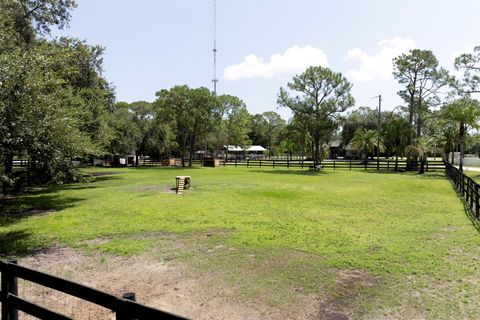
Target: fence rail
(387, 165)
(11, 301)
(466, 187)
(21, 163)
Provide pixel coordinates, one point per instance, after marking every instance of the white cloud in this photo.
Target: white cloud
(378, 66)
(294, 60)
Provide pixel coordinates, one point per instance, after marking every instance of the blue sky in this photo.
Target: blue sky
(152, 45)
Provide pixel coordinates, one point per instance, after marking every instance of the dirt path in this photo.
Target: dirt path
(168, 286)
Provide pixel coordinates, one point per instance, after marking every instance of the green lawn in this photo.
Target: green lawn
(407, 234)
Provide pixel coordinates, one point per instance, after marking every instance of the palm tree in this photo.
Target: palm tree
(397, 132)
(366, 141)
(419, 151)
(466, 113)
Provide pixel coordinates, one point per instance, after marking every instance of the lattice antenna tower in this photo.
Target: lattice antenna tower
(215, 80)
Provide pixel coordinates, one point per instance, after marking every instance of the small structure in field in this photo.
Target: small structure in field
(183, 183)
(211, 162)
(168, 162)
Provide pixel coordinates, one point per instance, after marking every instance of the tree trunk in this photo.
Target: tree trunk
(8, 163)
(422, 166)
(419, 116)
(316, 150)
(462, 145)
(192, 150)
(396, 160)
(183, 153)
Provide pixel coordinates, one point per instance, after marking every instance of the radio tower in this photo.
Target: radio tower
(214, 80)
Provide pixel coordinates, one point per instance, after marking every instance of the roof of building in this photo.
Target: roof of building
(335, 144)
(233, 148)
(256, 148)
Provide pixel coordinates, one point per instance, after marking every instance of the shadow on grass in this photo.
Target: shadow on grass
(468, 212)
(17, 243)
(301, 172)
(196, 167)
(426, 175)
(14, 209)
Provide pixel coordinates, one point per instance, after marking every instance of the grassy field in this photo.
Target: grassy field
(405, 239)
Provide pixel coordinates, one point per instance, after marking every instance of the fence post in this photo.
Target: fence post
(426, 164)
(273, 163)
(378, 164)
(122, 313)
(260, 163)
(9, 286)
(350, 165)
(467, 191)
(477, 202)
(302, 163)
(366, 164)
(333, 164)
(235, 162)
(5, 285)
(470, 191)
(248, 163)
(388, 166)
(288, 164)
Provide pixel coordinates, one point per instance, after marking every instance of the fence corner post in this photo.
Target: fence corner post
(9, 286)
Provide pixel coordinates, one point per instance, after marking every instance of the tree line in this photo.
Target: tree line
(56, 106)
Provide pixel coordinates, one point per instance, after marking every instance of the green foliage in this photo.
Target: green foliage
(362, 118)
(324, 94)
(396, 132)
(465, 113)
(192, 113)
(54, 101)
(470, 65)
(23, 19)
(126, 132)
(419, 72)
(236, 122)
(366, 141)
(274, 126)
(419, 150)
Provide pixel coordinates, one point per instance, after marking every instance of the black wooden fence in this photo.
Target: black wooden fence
(384, 165)
(12, 302)
(466, 187)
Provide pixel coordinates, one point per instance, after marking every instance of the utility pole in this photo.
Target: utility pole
(378, 129)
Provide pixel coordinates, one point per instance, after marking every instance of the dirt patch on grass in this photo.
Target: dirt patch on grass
(104, 173)
(161, 189)
(342, 303)
(207, 279)
(19, 214)
(169, 286)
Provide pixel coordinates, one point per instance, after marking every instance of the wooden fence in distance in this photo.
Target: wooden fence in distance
(12, 303)
(385, 165)
(466, 187)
